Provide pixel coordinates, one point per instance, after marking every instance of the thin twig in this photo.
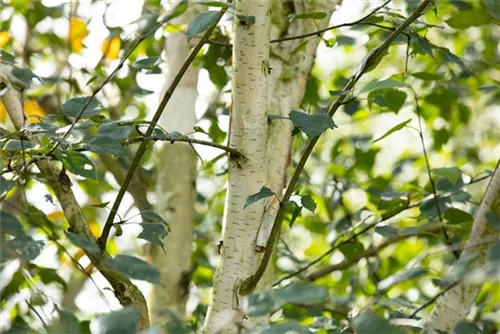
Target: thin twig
(142, 148)
(320, 31)
(143, 37)
(184, 139)
(32, 308)
(369, 252)
(249, 284)
(431, 179)
(433, 299)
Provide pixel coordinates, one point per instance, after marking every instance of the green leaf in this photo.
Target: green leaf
(100, 205)
(469, 18)
(382, 84)
(123, 321)
(489, 88)
(104, 145)
(263, 193)
(24, 76)
(78, 163)
(351, 250)
(74, 107)
(49, 275)
(312, 125)
(312, 15)
(269, 301)
(393, 129)
(5, 186)
(394, 99)
(428, 206)
(465, 327)
(345, 40)
(457, 216)
(427, 76)
(201, 22)
(386, 231)
(84, 243)
(301, 293)
(493, 258)
(214, 4)
(493, 7)
(452, 174)
(147, 63)
(369, 323)
(330, 43)
(25, 246)
(493, 219)
(151, 217)
(115, 130)
(308, 203)
(401, 277)
(136, 268)
(293, 210)
(287, 327)
(18, 145)
(154, 233)
(7, 58)
(69, 323)
(10, 225)
(246, 20)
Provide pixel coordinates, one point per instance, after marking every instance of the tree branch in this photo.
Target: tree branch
(143, 37)
(142, 148)
(249, 284)
(320, 31)
(369, 252)
(431, 179)
(126, 292)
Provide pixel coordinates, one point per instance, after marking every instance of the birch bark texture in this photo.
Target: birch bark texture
(456, 303)
(175, 182)
(248, 134)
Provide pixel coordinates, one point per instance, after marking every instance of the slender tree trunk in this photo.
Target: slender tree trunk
(287, 83)
(175, 184)
(248, 134)
(456, 303)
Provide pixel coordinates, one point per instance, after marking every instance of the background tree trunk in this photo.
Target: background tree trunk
(175, 183)
(456, 303)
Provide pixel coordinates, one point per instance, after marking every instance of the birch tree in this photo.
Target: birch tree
(175, 182)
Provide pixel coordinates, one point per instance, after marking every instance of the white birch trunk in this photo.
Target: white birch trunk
(175, 183)
(248, 134)
(287, 83)
(456, 303)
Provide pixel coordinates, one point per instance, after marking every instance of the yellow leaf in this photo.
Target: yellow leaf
(95, 229)
(4, 38)
(173, 28)
(111, 48)
(77, 33)
(57, 215)
(141, 49)
(3, 113)
(33, 111)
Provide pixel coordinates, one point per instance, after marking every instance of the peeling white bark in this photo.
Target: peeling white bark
(456, 303)
(248, 134)
(175, 183)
